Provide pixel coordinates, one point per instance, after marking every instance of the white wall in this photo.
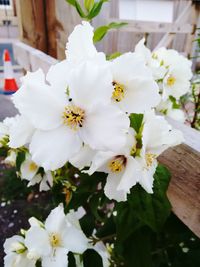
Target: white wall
(147, 10)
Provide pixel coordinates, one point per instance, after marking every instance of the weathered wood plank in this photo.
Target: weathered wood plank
(32, 25)
(31, 59)
(182, 18)
(184, 190)
(154, 27)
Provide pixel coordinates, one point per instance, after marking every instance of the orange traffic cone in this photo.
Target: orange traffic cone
(10, 85)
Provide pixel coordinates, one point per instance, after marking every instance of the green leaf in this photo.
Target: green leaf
(102, 31)
(88, 4)
(126, 221)
(91, 258)
(79, 10)
(137, 249)
(152, 209)
(136, 121)
(117, 25)
(21, 156)
(175, 105)
(96, 9)
(71, 2)
(71, 260)
(113, 56)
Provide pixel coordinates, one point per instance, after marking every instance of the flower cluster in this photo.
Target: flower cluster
(99, 115)
(172, 72)
(50, 242)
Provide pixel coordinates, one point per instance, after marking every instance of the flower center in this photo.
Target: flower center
(73, 117)
(117, 164)
(171, 80)
(33, 167)
(55, 240)
(150, 159)
(118, 92)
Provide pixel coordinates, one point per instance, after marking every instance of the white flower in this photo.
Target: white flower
(29, 171)
(16, 253)
(20, 132)
(166, 107)
(157, 69)
(177, 80)
(133, 165)
(11, 158)
(79, 48)
(157, 136)
(59, 235)
(122, 168)
(135, 91)
(64, 123)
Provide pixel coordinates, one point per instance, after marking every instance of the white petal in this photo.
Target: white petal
(18, 260)
(158, 134)
(141, 95)
(46, 182)
(90, 84)
(52, 149)
(58, 75)
(105, 128)
(143, 51)
(20, 132)
(99, 160)
(103, 252)
(176, 114)
(130, 176)
(75, 240)
(111, 187)
(37, 241)
(80, 46)
(59, 258)
(146, 178)
(128, 66)
(26, 170)
(55, 222)
(35, 180)
(8, 245)
(39, 103)
(83, 158)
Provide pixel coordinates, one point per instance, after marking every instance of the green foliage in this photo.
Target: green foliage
(91, 7)
(102, 31)
(136, 121)
(91, 258)
(88, 4)
(21, 155)
(113, 56)
(175, 105)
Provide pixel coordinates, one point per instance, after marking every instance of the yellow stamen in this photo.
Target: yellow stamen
(171, 80)
(55, 240)
(119, 92)
(150, 159)
(73, 117)
(133, 150)
(117, 164)
(33, 167)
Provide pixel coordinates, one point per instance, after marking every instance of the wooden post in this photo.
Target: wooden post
(32, 24)
(51, 25)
